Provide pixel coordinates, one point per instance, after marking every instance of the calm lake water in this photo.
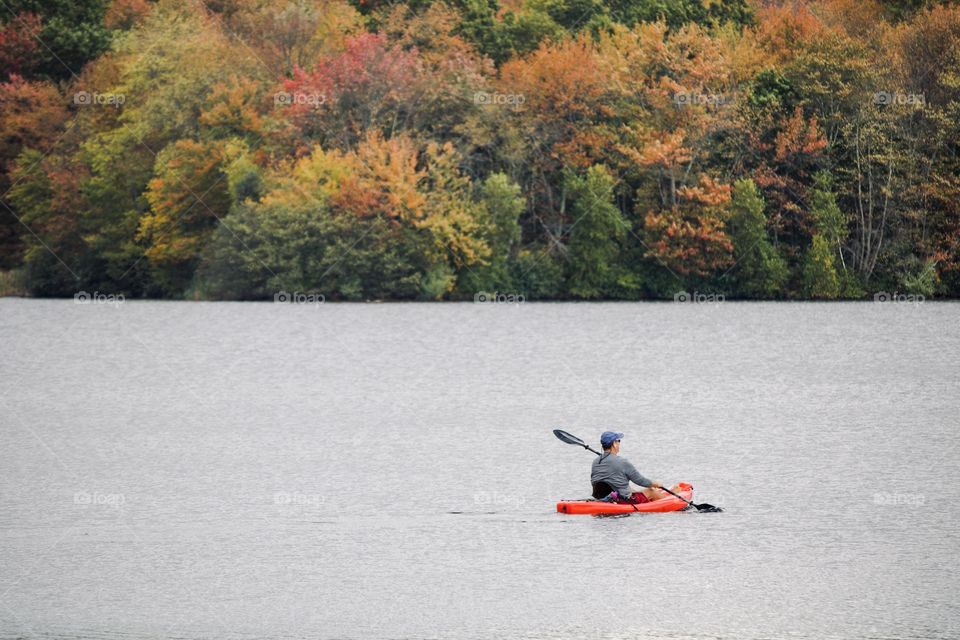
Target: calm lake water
(242, 470)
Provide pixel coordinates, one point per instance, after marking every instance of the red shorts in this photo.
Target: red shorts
(635, 498)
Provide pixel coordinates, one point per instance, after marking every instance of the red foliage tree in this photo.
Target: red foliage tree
(18, 42)
(370, 85)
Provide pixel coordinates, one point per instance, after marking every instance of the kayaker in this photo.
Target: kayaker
(611, 473)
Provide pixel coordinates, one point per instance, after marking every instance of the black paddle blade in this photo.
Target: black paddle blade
(708, 508)
(569, 438)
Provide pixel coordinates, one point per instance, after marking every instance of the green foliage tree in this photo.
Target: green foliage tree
(502, 203)
(904, 9)
(679, 12)
(522, 33)
(773, 91)
(829, 220)
(244, 179)
(596, 236)
(260, 251)
(922, 279)
(820, 280)
(480, 26)
(824, 273)
(761, 271)
(538, 273)
(72, 33)
(577, 15)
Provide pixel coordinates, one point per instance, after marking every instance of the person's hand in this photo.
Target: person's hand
(655, 485)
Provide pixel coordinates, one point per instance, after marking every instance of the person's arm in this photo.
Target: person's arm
(637, 477)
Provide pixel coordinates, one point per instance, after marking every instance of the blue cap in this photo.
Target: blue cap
(607, 438)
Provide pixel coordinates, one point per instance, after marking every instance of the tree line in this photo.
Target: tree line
(557, 149)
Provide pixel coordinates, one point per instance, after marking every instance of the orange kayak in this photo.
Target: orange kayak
(598, 507)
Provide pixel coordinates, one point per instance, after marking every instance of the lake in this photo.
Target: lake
(262, 470)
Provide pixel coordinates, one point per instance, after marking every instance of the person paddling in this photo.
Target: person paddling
(611, 475)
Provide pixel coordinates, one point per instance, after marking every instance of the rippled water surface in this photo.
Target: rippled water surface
(220, 470)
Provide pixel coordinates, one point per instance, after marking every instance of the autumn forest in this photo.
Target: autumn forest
(433, 150)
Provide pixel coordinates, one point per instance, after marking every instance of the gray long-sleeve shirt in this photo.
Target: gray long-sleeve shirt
(617, 473)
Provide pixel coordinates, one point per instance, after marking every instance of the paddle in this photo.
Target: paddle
(569, 438)
(702, 508)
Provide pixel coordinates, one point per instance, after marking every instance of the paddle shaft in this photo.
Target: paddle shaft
(677, 496)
